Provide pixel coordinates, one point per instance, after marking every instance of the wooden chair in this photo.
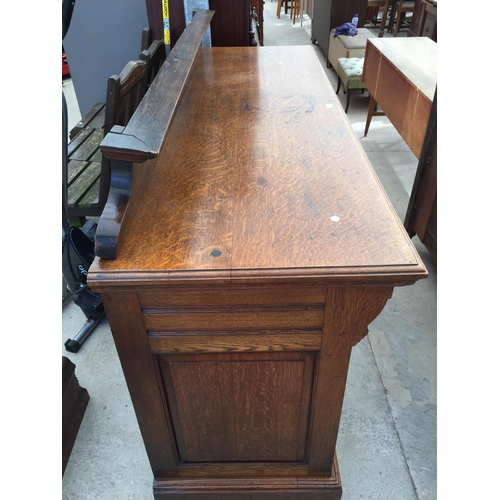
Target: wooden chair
(295, 9)
(402, 7)
(146, 39)
(125, 92)
(154, 56)
(87, 174)
(387, 14)
(280, 5)
(373, 8)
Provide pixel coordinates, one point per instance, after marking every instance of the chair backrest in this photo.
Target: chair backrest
(154, 56)
(125, 92)
(145, 39)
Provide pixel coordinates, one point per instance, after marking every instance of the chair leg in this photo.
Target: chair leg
(278, 11)
(339, 80)
(398, 21)
(348, 98)
(384, 20)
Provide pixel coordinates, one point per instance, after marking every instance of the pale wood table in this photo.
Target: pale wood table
(401, 76)
(260, 248)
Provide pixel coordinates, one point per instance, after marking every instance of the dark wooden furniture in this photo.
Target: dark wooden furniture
(329, 14)
(388, 16)
(373, 8)
(401, 8)
(83, 173)
(231, 24)
(154, 56)
(88, 174)
(94, 118)
(155, 19)
(421, 216)
(74, 404)
(424, 20)
(401, 76)
(249, 269)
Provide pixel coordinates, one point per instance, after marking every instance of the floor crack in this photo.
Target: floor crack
(394, 420)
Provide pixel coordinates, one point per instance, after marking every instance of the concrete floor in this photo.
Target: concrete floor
(387, 440)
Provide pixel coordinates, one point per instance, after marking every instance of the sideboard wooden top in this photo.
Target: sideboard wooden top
(261, 176)
(415, 57)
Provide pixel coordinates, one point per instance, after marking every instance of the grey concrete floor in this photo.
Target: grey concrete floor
(387, 440)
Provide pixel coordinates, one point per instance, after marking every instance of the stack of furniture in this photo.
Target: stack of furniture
(330, 14)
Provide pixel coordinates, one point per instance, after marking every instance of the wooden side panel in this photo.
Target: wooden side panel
(404, 103)
(211, 320)
(224, 296)
(267, 402)
(416, 124)
(239, 408)
(130, 336)
(398, 99)
(204, 398)
(220, 343)
(349, 311)
(371, 68)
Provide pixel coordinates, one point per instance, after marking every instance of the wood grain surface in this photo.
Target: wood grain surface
(253, 169)
(260, 248)
(252, 488)
(245, 408)
(401, 76)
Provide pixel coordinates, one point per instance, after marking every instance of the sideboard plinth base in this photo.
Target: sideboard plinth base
(251, 488)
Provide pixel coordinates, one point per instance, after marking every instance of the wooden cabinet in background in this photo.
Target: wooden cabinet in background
(421, 215)
(230, 26)
(429, 28)
(74, 403)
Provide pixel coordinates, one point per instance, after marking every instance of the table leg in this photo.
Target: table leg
(371, 109)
